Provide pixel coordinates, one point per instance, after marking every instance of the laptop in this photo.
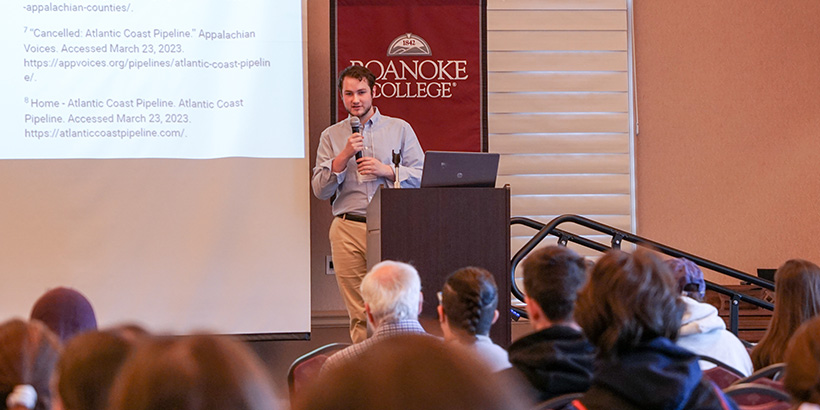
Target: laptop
(459, 169)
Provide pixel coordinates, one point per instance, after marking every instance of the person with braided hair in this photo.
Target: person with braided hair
(467, 308)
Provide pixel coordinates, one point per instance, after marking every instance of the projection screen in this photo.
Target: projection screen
(153, 158)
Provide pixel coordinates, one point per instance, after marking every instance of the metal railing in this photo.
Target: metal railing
(618, 237)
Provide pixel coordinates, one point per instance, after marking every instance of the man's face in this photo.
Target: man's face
(356, 96)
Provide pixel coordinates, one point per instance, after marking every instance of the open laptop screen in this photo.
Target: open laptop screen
(459, 169)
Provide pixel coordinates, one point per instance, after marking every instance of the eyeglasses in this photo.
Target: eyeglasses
(438, 295)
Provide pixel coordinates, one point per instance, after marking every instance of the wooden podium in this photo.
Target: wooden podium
(439, 230)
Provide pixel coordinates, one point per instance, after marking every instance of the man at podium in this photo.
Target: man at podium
(354, 158)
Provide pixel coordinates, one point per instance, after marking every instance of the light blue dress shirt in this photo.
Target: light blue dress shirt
(387, 134)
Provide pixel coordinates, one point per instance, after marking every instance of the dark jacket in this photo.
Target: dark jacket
(555, 361)
(657, 375)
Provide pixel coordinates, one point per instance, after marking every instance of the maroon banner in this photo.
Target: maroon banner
(427, 56)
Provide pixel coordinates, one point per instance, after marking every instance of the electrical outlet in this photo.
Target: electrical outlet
(329, 265)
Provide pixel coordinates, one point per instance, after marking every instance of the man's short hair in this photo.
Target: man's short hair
(358, 72)
(552, 277)
(391, 289)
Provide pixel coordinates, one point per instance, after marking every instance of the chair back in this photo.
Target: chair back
(722, 374)
(779, 405)
(773, 405)
(771, 372)
(759, 396)
(722, 377)
(305, 369)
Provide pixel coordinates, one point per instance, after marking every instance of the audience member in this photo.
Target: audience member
(631, 311)
(87, 368)
(411, 372)
(131, 332)
(702, 330)
(392, 302)
(65, 311)
(556, 359)
(797, 299)
(202, 372)
(28, 354)
(802, 378)
(467, 308)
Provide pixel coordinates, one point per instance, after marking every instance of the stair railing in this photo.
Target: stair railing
(618, 236)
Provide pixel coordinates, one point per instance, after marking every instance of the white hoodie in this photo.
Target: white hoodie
(703, 332)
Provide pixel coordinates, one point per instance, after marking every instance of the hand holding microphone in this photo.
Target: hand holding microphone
(356, 127)
(368, 166)
(354, 146)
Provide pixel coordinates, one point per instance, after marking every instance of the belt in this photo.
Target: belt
(352, 217)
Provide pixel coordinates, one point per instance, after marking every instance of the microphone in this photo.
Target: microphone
(396, 163)
(356, 126)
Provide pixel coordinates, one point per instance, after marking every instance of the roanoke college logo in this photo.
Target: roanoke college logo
(415, 77)
(409, 45)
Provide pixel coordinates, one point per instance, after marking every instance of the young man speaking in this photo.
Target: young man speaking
(354, 158)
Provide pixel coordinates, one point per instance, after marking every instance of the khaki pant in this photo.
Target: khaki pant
(348, 246)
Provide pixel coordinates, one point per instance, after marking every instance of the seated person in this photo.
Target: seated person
(631, 311)
(556, 359)
(467, 309)
(411, 372)
(65, 311)
(28, 354)
(803, 366)
(201, 372)
(702, 331)
(392, 302)
(87, 368)
(796, 300)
